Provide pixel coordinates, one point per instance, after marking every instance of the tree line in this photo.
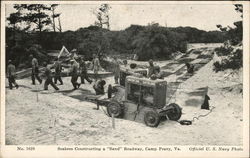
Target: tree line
(40, 34)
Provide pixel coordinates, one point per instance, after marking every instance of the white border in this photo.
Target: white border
(51, 151)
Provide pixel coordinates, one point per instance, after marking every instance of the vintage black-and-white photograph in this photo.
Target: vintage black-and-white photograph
(123, 74)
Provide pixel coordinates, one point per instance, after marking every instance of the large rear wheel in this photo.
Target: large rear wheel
(152, 118)
(115, 109)
(175, 112)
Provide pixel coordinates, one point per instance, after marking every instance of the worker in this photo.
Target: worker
(158, 72)
(35, 70)
(125, 63)
(116, 70)
(190, 68)
(73, 54)
(11, 75)
(74, 74)
(151, 70)
(48, 76)
(96, 66)
(83, 71)
(99, 89)
(58, 71)
(110, 91)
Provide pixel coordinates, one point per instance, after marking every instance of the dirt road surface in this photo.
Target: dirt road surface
(37, 117)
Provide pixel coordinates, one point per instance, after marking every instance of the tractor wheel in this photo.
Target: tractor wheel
(152, 118)
(114, 108)
(175, 112)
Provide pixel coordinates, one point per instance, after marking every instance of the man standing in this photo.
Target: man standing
(74, 74)
(116, 70)
(83, 71)
(35, 70)
(11, 74)
(58, 70)
(48, 76)
(96, 66)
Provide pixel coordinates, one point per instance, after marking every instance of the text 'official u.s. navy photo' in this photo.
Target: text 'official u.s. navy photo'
(124, 79)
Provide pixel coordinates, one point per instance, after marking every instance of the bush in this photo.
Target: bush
(233, 61)
(223, 50)
(158, 43)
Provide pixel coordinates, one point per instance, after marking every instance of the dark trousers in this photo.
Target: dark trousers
(85, 76)
(12, 81)
(74, 81)
(58, 77)
(34, 75)
(49, 81)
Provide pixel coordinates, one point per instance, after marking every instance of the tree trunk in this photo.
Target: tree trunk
(53, 17)
(39, 27)
(60, 26)
(108, 27)
(14, 34)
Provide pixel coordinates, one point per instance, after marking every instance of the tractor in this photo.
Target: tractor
(142, 100)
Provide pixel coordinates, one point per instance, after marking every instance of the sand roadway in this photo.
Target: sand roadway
(62, 118)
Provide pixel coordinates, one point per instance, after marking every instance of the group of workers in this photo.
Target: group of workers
(78, 68)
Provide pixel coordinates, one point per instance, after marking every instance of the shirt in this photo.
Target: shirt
(58, 67)
(116, 68)
(74, 68)
(151, 71)
(48, 73)
(34, 63)
(83, 66)
(11, 70)
(96, 64)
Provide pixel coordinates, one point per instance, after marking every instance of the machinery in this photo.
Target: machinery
(124, 72)
(142, 100)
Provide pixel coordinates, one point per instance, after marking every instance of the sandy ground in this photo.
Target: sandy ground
(37, 117)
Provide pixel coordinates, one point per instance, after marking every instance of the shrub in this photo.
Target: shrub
(223, 50)
(233, 61)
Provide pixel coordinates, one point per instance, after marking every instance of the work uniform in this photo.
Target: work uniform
(99, 87)
(83, 71)
(11, 74)
(74, 75)
(151, 70)
(158, 73)
(190, 68)
(48, 80)
(35, 71)
(116, 71)
(96, 67)
(58, 70)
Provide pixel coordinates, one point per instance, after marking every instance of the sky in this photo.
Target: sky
(202, 16)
